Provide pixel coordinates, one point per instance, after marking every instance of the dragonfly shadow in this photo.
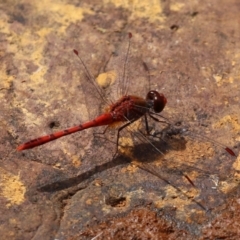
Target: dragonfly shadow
(73, 181)
(158, 148)
(144, 153)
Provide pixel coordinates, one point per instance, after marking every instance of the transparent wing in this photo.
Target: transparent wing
(130, 77)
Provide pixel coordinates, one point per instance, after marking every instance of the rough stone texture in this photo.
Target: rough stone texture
(71, 188)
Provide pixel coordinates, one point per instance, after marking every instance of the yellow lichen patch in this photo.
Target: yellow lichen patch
(199, 150)
(135, 126)
(57, 165)
(230, 80)
(237, 177)
(98, 182)
(132, 168)
(106, 79)
(61, 12)
(176, 6)
(32, 119)
(227, 187)
(124, 144)
(220, 79)
(174, 199)
(76, 161)
(233, 120)
(151, 9)
(27, 40)
(236, 164)
(11, 188)
(6, 80)
(89, 202)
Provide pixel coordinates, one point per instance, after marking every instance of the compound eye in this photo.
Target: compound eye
(158, 99)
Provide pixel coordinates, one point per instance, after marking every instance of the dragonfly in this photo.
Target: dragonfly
(126, 110)
(122, 113)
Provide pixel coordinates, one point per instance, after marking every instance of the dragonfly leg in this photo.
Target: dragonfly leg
(101, 133)
(118, 135)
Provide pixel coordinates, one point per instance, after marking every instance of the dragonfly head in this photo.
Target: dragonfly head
(156, 101)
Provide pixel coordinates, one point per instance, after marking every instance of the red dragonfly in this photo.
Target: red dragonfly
(125, 111)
